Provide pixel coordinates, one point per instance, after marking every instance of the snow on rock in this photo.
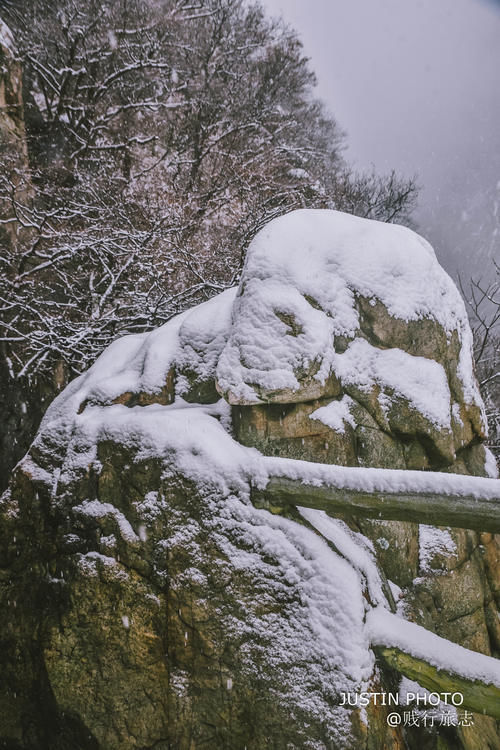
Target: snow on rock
(96, 509)
(422, 382)
(336, 414)
(326, 627)
(353, 546)
(315, 648)
(189, 439)
(88, 564)
(432, 542)
(141, 363)
(300, 290)
(202, 336)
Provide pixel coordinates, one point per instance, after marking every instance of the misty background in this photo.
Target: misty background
(415, 85)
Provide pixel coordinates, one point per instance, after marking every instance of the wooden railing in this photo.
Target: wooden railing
(460, 501)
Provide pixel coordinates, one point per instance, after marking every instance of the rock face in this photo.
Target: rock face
(11, 100)
(16, 425)
(13, 145)
(146, 603)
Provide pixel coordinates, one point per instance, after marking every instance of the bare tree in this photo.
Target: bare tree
(483, 300)
(162, 134)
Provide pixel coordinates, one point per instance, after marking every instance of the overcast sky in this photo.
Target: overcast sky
(416, 85)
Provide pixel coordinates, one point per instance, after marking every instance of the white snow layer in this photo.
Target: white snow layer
(96, 509)
(336, 414)
(433, 541)
(353, 546)
(308, 266)
(422, 382)
(141, 363)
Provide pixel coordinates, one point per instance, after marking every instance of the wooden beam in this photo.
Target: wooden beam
(437, 664)
(332, 493)
(477, 696)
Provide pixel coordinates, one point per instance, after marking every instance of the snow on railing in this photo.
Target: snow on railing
(436, 663)
(433, 498)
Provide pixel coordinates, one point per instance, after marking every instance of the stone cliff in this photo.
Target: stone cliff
(11, 98)
(146, 602)
(23, 400)
(13, 144)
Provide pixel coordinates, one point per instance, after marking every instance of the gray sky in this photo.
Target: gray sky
(416, 85)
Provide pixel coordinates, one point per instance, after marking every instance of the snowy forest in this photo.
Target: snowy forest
(254, 504)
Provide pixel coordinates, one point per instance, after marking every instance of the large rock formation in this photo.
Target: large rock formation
(145, 602)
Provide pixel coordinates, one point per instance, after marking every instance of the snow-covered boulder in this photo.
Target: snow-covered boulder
(145, 601)
(356, 321)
